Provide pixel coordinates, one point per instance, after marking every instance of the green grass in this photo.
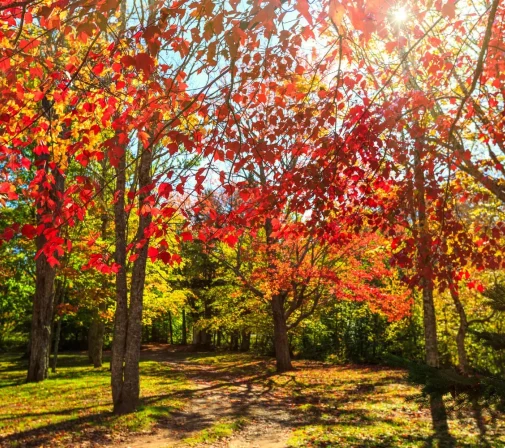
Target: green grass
(78, 397)
(358, 406)
(331, 406)
(218, 431)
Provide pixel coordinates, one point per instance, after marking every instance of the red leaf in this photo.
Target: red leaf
(390, 46)
(145, 63)
(299, 70)
(8, 234)
(152, 253)
(144, 138)
(98, 68)
(303, 8)
(5, 64)
(449, 9)
(186, 236)
(37, 96)
(29, 231)
(128, 61)
(165, 257)
(8, 190)
(27, 45)
(231, 240)
(41, 149)
(165, 189)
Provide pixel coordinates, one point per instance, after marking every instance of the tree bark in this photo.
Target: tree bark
(121, 315)
(58, 299)
(95, 341)
(43, 300)
(425, 270)
(424, 262)
(56, 346)
(184, 331)
(120, 224)
(170, 328)
(245, 343)
(281, 341)
(463, 327)
(129, 383)
(97, 328)
(430, 326)
(234, 342)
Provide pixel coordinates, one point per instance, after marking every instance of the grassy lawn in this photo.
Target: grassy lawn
(353, 405)
(220, 430)
(75, 403)
(359, 406)
(327, 406)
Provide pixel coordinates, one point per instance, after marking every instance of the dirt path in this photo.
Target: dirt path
(230, 395)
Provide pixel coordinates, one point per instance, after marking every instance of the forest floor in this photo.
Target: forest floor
(224, 400)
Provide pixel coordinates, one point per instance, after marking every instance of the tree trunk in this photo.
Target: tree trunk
(184, 331)
(59, 297)
(197, 336)
(430, 327)
(155, 333)
(201, 337)
(281, 342)
(170, 328)
(43, 300)
(437, 405)
(424, 266)
(234, 341)
(40, 340)
(463, 327)
(128, 396)
(131, 385)
(95, 341)
(245, 344)
(56, 346)
(121, 315)
(97, 328)
(120, 223)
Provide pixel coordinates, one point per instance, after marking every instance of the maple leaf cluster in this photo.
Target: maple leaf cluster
(308, 140)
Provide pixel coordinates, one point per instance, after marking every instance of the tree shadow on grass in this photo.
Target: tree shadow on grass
(251, 391)
(48, 434)
(101, 427)
(239, 386)
(73, 405)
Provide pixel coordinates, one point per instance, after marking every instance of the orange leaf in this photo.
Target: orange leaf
(336, 13)
(449, 9)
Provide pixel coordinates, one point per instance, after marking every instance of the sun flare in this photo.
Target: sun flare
(400, 14)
